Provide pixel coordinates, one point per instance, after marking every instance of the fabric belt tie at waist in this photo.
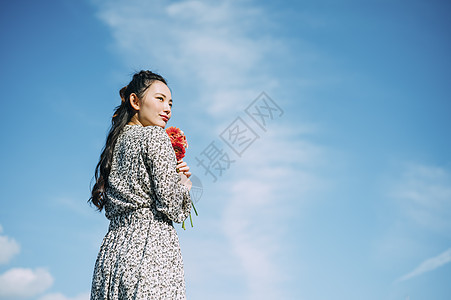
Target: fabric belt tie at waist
(139, 215)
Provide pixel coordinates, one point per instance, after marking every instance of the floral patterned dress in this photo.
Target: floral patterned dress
(140, 256)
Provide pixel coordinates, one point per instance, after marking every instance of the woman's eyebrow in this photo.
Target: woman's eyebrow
(164, 96)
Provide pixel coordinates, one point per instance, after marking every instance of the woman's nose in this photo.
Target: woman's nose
(167, 108)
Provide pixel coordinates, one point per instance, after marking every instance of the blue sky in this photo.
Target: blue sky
(344, 195)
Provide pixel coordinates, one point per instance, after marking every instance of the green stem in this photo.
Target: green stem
(194, 208)
(191, 220)
(183, 225)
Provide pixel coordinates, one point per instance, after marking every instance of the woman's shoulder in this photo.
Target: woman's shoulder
(154, 135)
(147, 130)
(155, 140)
(147, 134)
(155, 132)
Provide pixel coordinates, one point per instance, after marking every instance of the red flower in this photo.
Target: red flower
(178, 141)
(173, 131)
(176, 135)
(179, 150)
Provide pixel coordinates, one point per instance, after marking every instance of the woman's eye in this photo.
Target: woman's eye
(160, 98)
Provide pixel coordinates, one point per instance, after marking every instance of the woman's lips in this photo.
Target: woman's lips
(164, 118)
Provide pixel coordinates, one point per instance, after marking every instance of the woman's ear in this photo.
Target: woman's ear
(134, 101)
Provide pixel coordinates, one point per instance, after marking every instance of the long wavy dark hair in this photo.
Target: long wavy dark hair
(122, 115)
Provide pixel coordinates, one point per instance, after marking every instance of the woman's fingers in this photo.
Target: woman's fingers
(182, 167)
(186, 172)
(180, 164)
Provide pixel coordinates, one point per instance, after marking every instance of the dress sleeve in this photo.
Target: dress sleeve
(172, 197)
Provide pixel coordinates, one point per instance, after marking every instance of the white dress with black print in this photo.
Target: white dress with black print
(140, 256)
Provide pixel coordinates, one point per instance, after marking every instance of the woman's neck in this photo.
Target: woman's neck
(134, 121)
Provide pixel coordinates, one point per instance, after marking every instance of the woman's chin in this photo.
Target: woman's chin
(161, 124)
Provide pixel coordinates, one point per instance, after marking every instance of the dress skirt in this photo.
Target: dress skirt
(139, 258)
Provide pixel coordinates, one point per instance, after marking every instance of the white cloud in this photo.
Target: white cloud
(19, 283)
(425, 195)
(59, 296)
(205, 44)
(23, 283)
(423, 198)
(254, 243)
(429, 264)
(8, 248)
(272, 182)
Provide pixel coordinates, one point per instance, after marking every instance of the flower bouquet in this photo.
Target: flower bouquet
(180, 144)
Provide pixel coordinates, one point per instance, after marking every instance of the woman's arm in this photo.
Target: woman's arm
(172, 196)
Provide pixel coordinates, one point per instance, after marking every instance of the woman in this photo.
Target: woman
(143, 190)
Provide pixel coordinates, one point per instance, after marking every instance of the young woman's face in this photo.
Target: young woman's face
(155, 107)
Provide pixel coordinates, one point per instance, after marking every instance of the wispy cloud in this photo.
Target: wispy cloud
(23, 282)
(268, 189)
(428, 265)
(216, 47)
(8, 248)
(425, 195)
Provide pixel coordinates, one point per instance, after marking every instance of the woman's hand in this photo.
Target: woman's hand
(185, 181)
(183, 168)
